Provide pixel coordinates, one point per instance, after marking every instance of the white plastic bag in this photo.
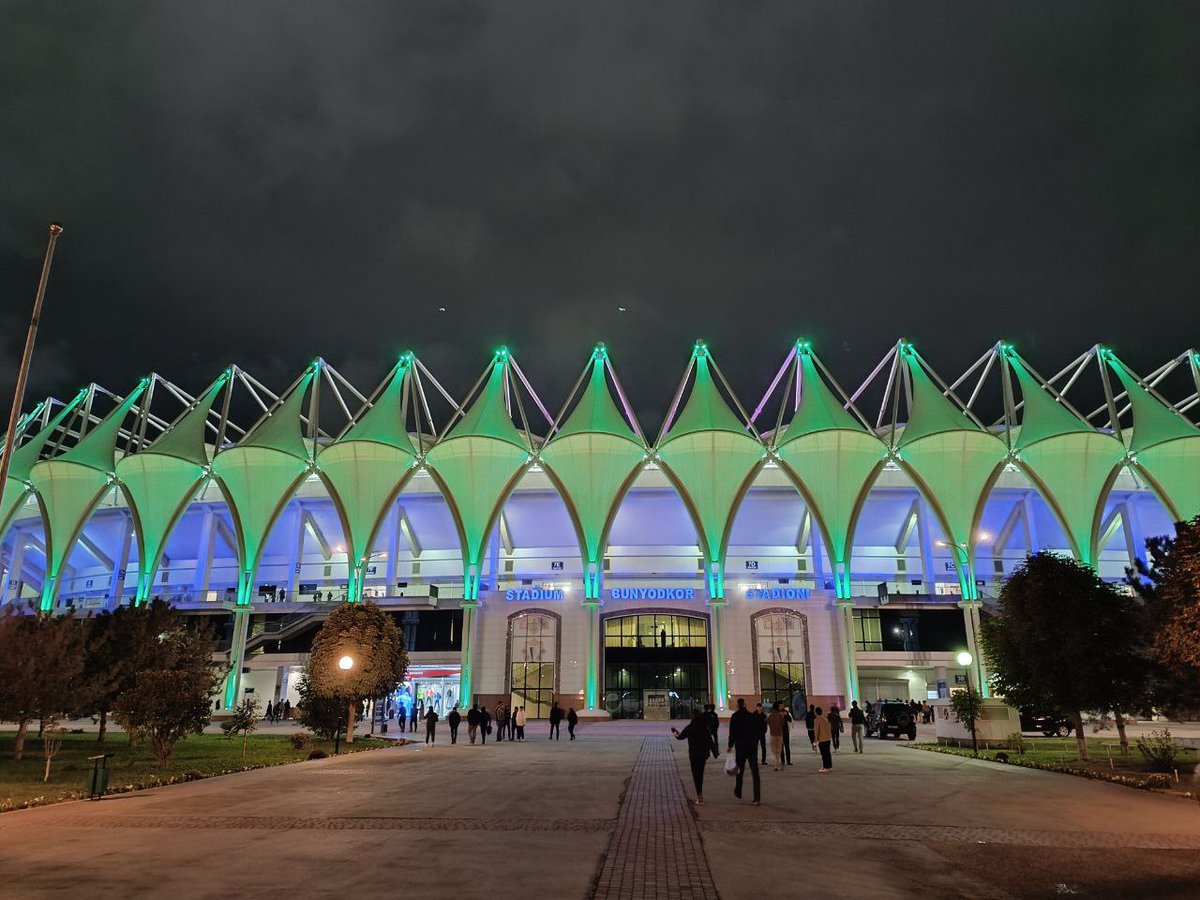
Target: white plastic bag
(730, 763)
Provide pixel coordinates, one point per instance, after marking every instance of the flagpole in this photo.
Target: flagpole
(14, 416)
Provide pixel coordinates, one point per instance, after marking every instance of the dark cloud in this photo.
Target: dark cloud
(268, 182)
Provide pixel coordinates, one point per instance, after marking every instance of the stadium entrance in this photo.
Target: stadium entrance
(655, 665)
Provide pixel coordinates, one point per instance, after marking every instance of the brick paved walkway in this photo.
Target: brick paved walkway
(655, 853)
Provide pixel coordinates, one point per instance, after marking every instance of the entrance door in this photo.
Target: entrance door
(657, 705)
(665, 654)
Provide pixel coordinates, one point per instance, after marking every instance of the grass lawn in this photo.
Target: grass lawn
(196, 756)
(1061, 754)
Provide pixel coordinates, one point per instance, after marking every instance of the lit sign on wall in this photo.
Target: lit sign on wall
(534, 594)
(778, 593)
(652, 593)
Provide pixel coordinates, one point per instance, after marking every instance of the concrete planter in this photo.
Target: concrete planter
(997, 720)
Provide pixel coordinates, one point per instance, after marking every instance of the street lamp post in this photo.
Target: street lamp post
(964, 660)
(346, 663)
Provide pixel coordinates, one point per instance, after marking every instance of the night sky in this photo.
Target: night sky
(268, 182)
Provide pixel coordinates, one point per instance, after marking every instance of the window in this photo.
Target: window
(780, 642)
(867, 630)
(655, 630)
(533, 652)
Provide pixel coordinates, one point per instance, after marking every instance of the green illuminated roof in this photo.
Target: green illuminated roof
(259, 474)
(479, 461)
(23, 460)
(1071, 463)
(832, 458)
(952, 459)
(1166, 447)
(592, 458)
(70, 485)
(367, 467)
(711, 457)
(161, 480)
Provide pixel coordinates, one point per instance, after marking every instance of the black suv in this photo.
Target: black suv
(891, 717)
(1051, 724)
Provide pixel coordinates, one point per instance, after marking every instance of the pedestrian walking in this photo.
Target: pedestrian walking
(472, 721)
(519, 720)
(775, 727)
(701, 743)
(857, 722)
(823, 735)
(270, 716)
(572, 721)
(743, 741)
(287, 709)
(835, 727)
(431, 720)
(760, 718)
(485, 724)
(809, 718)
(512, 722)
(501, 721)
(455, 719)
(787, 735)
(412, 718)
(556, 715)
(714, 725)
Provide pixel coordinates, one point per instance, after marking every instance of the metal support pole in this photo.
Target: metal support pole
(14, 414)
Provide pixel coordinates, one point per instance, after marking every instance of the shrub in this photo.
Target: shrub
(1016, 741)
(1159, 780)
(300, 740)
(317, 754)
(1002, 757)
(1160, 749)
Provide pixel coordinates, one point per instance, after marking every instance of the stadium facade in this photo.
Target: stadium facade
(802, 549)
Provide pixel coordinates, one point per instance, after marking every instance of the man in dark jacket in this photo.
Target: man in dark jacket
(743, 741)
(556, 715)
(455, 719)
(472, 721)
(572, 721)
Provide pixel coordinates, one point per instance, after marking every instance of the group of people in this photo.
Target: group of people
(748, 733)
(504, 721)
(278, 711)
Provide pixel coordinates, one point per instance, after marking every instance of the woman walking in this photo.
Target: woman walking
(700, 745)
(519, 719)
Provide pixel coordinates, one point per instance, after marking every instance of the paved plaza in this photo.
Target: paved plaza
(609, 816)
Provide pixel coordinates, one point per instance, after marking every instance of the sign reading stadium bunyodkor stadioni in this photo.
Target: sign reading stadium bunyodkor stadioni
(659, 593)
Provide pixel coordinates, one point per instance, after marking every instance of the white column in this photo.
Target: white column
(117, 585)
(204, 553)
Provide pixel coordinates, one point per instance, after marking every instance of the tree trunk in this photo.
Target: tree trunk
(353, 708)
(1080, 740)
(133, 739)
(1120, 720)
(46, 774)
(19, 743)
(245, 737)
(103, 726)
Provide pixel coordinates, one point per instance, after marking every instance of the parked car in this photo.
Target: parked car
(1051, 724)
(891, 717)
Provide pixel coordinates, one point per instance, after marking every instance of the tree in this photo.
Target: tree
(323, 716)
(52, 738)
(1064, 639)
(243, 721)
(1170, 587)
(171, 702)
(119, 645)
(375, 645)
(41, 669)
